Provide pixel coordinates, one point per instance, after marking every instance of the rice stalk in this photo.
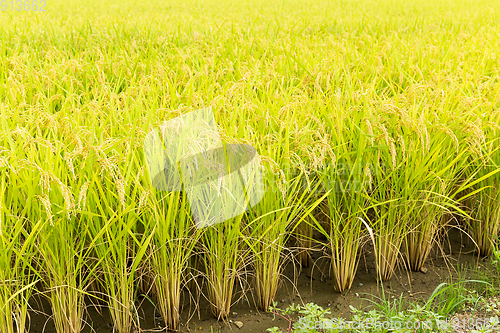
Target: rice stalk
(483, 219)
(121, 242)
(270, 224)
(17, 281)
(304, 240)
(485, 225)
(434, 176)
(224, 260)
(171, 250)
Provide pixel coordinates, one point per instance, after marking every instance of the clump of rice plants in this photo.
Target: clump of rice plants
(61, 265)
(225, 257)
(266, 234)
(392, 202)
(17, 238)
(484, 226)
(346, 182)
(172, 246)
(286, 203)
(419, 168)
(59, 236)
(120, 240)
(283, 207)
(436, 166)
(484, 220)
(345, 205)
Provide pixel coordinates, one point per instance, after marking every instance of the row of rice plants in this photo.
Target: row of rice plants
(392, 192)
(401, 178)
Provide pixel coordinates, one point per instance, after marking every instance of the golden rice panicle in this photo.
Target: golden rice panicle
(330, 154)
(44, 199)
(140, 173)
(82, 196)
(320, 148)
(300, 164)
(69, 163)
(423, 136)
(276, 170)
(126, 143)
(45, 179)
(427, 136)
(67, 195)
(449, 132)
(321, 152)
(109, 165)
(476, 139)
(368, 176)
(120, 187)
(106, 166)
(79, 147)
(143, 199)
(370, 131)
(389, 141)
(392, 150)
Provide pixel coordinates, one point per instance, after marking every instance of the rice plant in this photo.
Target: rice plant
(392, 202)
(437, 166)
(58, 236)
(17, 278)
(225, 257)
(172, 247)
(484, 220)
(346, 183)
(284, 206)
(485, 226)
(345, 205)
(121, 241)
(62, 266)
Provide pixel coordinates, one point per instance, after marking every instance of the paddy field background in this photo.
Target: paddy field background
(377, 123)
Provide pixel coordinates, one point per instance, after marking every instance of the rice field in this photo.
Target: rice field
(383, 116)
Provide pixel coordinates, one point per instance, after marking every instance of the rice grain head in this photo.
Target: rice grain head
(69, 163)
(44, 199)
(67, 196)
(143, 199)
(82, 197)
